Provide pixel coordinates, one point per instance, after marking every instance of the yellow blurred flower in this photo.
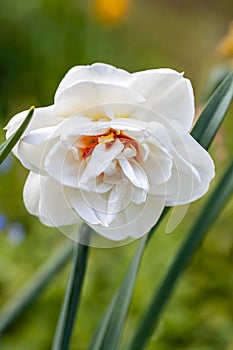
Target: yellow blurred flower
(225, 48)
(110, 11)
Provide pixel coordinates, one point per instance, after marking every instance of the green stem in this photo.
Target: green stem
(72, 296)
(109, 330)
(33, 288)
(205, 220)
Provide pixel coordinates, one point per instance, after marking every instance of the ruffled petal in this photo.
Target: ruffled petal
(168, 93)
(62, 165)
(134, 220)
(83, 95)
(42, 117)
(99, 159)
(192, 171)
(200, 160)
(54, 206)
(98, 73)
(33, 157)
(157, 166)
(134, 172)
(86, 210)
(31, 192)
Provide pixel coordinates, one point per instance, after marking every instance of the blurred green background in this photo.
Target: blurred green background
(39, 41)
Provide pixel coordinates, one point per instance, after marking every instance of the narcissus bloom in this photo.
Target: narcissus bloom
(113, 150)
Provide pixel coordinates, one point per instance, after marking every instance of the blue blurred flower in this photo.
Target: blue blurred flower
(3, 222)
(16, 232)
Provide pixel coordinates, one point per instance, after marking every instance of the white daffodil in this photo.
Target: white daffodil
(113, 150)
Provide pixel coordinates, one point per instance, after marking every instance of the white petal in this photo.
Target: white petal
(42, 117)
(157, 166)
(77, 125)
(134, 172)
(98, 160)
(38, 136)
(98, 203)
(117, 200)
(98, 73)
(81, 206)
(200, 160)
(62, 165)
(144, 151)
(31, 192)
(130, 152)
(97, 185)
(55, 208)
(110, 168)
(168, 93)
(33, 157)
(66, 128)
(139, 195)
(178, 190)
(134, 221)
(113, 178)
(158, 122)
(192, 172)
(81, 96)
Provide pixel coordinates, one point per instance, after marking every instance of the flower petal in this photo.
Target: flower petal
(200, 160)
(117, 200)
(54, 207)
(83, 95)
(81, 205)
(62, 165)
(134, 220)
(31, 192)
(134, 172)
(192, 172)
(157, 166)
(101, 156)
(42, 117)
(168, 93)
(98, 73)
(33, 157)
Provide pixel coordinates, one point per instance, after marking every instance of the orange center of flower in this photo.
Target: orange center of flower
(87, 143)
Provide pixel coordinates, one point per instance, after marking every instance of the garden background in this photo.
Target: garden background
(39, 41)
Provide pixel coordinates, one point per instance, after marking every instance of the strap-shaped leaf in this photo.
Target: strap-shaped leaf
(7, 146)
(108, 333)
(30, 291)
(110, 328)
(73, 293)
(213, 114)
(200, 228)
(204, 132)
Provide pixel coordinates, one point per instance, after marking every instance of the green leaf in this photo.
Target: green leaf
(34, 286)
(213, 114)
(7, 146)
(109, 331)
(200, 228)
(204, 132)
(73, 293)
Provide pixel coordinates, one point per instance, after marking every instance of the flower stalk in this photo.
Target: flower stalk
(72, 295)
